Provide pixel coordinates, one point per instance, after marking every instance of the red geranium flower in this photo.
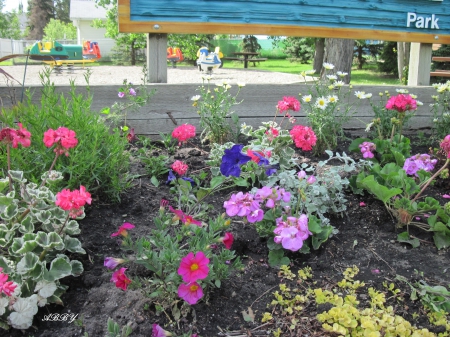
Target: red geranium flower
(303, 137)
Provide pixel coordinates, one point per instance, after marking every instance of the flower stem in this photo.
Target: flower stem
(430, 180)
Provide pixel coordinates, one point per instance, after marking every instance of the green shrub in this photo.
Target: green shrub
(100, 164)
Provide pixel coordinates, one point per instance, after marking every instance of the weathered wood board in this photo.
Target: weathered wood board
(171, 105)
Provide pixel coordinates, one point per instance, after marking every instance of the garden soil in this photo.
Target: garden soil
(366, 238)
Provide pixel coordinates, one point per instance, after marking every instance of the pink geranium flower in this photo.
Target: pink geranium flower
(194, 267)
(73, 201)
(120, 279)
(303, 137)
(6, 287)
(123, 230)
(183, 132)
(288, 103)
(191, 292)
(22, 137)
(227, 240)
(401, 103)
(179, 167)
(62, 137)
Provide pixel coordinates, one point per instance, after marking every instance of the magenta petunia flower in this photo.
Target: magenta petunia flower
(123, 230)
(191, 292)
(112, 262)
(227, 240)
(157, 331)
(194, 267)
(120, 279)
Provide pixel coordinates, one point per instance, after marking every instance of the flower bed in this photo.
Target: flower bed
(260, 232)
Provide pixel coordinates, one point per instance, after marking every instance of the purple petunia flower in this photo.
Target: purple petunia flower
(232, 161)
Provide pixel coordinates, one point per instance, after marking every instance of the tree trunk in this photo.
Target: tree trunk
(400, 59)
(318, 54)
(339, 52)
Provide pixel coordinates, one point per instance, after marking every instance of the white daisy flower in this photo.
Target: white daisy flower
(307, 98)
(369, 95)
(332, 99)
(402, 91)
(360, 94)
(195, 98)
(240, 85)
(328, 66)
(321, 103)
(339, 84)
(369, 126)
(332, 77)
(341, 74)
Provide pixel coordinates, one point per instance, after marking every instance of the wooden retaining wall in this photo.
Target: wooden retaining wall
(171, 105)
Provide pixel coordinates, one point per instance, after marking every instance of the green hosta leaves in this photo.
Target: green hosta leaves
(50, 241)
(380, 191)
(73, 245)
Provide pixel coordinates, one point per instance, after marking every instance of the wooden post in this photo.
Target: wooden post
(157, 58)
(419, 64)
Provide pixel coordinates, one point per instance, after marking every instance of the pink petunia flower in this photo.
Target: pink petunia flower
(123, 230)
(191, 292)
(446, 196)
(112, 262)
(362, 204)
(157, 331)
(179, 167)
(303, 137)
(120, 279)
(194, 267)
(132, 92)
(184, 218)
(121, 94)
(227, 240)
(183, 132)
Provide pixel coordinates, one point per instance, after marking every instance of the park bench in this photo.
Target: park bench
(254, 60)
(232, 58)
(440, 72)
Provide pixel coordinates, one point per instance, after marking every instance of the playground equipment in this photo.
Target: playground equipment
(209, 60)
(174, 55)
(56, 54)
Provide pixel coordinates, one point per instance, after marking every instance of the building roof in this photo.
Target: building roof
(86, 10)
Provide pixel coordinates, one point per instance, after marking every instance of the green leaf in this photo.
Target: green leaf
(43, 216)
(72, 228)
(10, 212)
(49, 241)
(248, 316)
(201, 193)
(441, 240)
(4, 183)
(59, 268)
(26, 226)
(405, 238)
(277, 258)
(27, 263)
(24, 244)
(381, 192)
(17, 176)
(217, 283)
(73, 245)
(154, 181)
(77, 267)
(5, 201)
(216, 181)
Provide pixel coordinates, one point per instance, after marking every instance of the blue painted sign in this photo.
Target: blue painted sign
(394, 20)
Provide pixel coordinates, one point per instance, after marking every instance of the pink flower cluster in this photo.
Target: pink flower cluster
(288, 103)
(6, 288)
(310, 180)
(445, 145)
(303, 137)
(292, 232)
(179, 167)
(367, 148)
(192, 268)
(401, 103)
(272, 133)
(419, 162)
(62, 137)
(249, 205)
(183, 132)
(73, 201)
(15, 137)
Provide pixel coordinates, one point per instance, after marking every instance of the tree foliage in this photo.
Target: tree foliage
(190, 43)
(250, 44)
(62, 10)
(388, 58)
(39, 14)
(9, 24)
(58, 30)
